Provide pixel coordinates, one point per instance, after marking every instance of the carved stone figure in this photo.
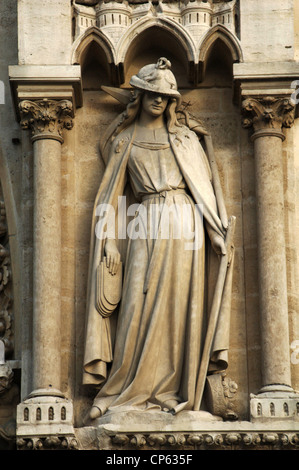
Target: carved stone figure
(154, 350)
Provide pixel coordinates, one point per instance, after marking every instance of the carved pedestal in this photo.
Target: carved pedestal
(188, 432)
(45, 423)
(282, 406)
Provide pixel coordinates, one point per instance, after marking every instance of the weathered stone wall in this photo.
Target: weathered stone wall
(267, 30)
(44, 32)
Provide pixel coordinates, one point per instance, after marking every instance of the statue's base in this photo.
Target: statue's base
(188, 430)
(156, 420)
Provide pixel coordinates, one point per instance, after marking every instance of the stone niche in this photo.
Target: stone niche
(208, 95)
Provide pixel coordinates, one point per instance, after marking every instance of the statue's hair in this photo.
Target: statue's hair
(171, 116)
(133, 109)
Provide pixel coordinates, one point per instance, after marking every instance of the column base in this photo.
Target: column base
(45, 421)
(274, 402)
(46, 392)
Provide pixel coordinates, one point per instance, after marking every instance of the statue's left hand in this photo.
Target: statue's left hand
(218, 244)
(112, 256)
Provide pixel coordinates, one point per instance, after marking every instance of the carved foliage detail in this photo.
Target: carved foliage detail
(206, 440)
(47, 443)
(46, 116)
(267, 112)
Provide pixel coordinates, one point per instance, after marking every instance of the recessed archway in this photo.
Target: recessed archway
(218, 66)
(221, 46)
(95, 68)
(95, 53)
(153, 39)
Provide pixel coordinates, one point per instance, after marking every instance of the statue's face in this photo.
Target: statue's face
(154, 104)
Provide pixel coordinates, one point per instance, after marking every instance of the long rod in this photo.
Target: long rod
(214, 314)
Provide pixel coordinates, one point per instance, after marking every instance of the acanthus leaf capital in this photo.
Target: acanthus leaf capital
(267, 112)
(46, 116)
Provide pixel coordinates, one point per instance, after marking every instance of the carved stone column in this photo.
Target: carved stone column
(46, 405)
(46, 119)
(268, 115)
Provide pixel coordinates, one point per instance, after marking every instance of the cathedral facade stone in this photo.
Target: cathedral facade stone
(66, 69)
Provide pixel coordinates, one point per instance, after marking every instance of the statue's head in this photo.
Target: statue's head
(152, 80)
(157, 78)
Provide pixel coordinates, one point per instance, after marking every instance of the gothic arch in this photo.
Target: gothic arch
(92, 35)
(134, 39)
(223, 34)
(103, 54)
(172, 27)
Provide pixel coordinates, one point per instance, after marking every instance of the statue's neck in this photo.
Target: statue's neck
(151, 122)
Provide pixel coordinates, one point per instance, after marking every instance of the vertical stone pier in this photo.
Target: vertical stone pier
(45, 101)
(267, 115)
(46, 119)
(46, 409)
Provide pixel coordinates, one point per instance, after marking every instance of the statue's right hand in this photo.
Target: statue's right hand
(112, 256)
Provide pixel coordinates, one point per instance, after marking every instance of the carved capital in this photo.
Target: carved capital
(267, 113)
(46, 118)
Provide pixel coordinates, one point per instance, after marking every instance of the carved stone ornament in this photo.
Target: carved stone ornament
(46, 117)
(267, 112)
(203, 440)
(45, 423)
(219, 390)
(47, 443)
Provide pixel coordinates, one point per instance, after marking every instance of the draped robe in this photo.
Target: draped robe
(136, 352)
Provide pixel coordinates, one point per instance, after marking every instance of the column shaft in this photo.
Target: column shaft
(47, 264)
(46, 119)
(272, 261)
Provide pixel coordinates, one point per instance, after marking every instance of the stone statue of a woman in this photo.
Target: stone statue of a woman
(147, 354)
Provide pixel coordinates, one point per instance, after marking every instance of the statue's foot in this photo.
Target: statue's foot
(95, 412)
(169, 405)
